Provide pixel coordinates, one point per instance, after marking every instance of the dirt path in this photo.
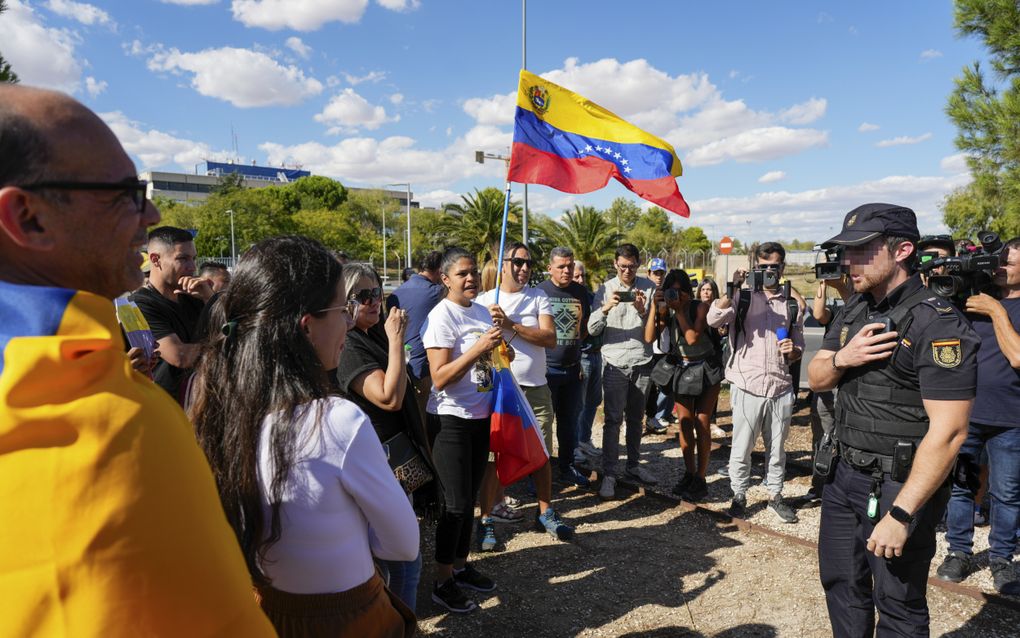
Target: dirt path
(648, 566)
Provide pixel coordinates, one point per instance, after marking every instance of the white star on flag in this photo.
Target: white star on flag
(598, 148)
(617, 155)
(608, 151)
(588, 148)
(626, 169)
(624, 162)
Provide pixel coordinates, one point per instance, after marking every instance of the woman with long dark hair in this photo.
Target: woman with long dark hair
(373, 374)
(459, 337)
(302, 476)
(682, 330)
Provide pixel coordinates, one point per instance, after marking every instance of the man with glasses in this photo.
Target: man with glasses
(112, 524)
(525, 316)
(172, 300)
(618, 315)
(764, 344)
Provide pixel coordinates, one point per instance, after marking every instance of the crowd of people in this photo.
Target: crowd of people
(330, 417)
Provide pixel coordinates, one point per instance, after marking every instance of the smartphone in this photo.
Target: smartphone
(625, 296)
(887, 325)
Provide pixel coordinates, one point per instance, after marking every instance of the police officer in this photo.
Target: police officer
(904, 363)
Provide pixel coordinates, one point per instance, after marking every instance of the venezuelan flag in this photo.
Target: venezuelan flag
(564, 141)
(110, 522)
(514, 436)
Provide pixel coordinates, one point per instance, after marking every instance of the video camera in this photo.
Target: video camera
(763, 277)
(832, 267)
(966, 274)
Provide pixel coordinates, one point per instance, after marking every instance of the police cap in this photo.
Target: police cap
(869, 221)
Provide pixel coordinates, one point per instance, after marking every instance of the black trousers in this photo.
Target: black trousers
(460, 452)
(857, 582)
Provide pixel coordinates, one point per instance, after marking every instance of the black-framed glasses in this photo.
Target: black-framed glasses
(365, 296)
(520, 262)
(136, 188)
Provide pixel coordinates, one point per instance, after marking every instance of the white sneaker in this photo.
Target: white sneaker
(608, 489)
(641, 475)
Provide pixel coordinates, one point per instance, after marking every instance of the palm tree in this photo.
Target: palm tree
(590, 234)
(6, 73)
(476, 223)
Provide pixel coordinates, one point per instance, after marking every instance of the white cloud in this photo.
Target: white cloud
(348, 111)
(757, 145)
(399, 5)
(818, 213)
(930, 54)
(903, 140)
(41, 56)
(94, 87)
(80, 11)
(771, 176)
(867, 127)
(242, 77)
(295, 44)
(189, 2)
(300, 15)
(436, 198)
(156, 149)
(804, 113)
(371, 76)
(955, 164)
(497, 110)
(397, 98)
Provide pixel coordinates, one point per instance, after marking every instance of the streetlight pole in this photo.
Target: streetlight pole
(408, 185)
(383, 206)
(233, 249)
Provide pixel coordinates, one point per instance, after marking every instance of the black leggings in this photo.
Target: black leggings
(460, 452)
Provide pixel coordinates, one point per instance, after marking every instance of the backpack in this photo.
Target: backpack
(744, 304)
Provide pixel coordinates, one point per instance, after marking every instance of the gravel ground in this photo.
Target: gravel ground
(646, 566)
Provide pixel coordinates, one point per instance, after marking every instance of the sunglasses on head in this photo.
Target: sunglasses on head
(365, 296)
(520, 262)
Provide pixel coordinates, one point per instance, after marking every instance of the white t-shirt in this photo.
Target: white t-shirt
(450, 325)
(341, 503)
(523, 307)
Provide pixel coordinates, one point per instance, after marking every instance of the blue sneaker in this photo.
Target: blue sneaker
(572, 476)
(550, 522)
(487, 534)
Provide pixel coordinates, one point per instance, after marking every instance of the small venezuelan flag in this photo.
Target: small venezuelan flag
(564, 141)
(514, 437)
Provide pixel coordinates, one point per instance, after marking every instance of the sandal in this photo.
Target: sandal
(503, 513)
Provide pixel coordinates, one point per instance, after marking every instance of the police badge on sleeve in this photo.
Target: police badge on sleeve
(946, 352)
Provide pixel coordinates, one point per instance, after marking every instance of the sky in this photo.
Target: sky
(785, 115)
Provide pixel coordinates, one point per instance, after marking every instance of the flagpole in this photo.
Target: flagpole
(502, 241)
(524, 65)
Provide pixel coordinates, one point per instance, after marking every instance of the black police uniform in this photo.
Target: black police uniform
(879, 407)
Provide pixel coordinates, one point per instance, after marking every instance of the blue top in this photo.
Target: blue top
(417, 297)
(998, 384)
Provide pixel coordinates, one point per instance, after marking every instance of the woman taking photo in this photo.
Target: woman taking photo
(680, 326)
(302, 476)
(373, 374)
(459, 337)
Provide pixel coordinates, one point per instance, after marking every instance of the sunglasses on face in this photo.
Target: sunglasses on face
(520, 262)
(365, 296)
(135, 189)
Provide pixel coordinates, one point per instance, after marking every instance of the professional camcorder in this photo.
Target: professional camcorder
(966, 274)
(763, 277)
(832, 267)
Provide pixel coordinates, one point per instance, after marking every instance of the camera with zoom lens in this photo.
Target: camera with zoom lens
(763, 277)
(832, 267)
(963, 275)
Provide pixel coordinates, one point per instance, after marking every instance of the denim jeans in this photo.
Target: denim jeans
(402, 577)
(566, 389)
(1002, 446)
(626, 391)
(591, 394)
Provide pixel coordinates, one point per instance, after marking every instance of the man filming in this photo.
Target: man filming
(994, 430)
(904, 362)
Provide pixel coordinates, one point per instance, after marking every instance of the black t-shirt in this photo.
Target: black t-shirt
(938, 353)
(166, 318)
(571, 307)
(998, 397)
(365, 352)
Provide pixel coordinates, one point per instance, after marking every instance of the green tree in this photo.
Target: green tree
(622, 215)
(693, 238)
(986, 111)
(229, 183)
(592, 237)
(475, 223)
(7, 74)
(653, 232)
(318, 192)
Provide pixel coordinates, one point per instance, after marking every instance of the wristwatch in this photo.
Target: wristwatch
(901, 515)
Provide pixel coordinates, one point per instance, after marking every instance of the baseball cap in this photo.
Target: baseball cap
(869, 221)
(657, 264)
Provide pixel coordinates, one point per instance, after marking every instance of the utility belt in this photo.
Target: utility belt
(897, 466)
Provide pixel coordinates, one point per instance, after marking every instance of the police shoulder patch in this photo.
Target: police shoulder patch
(842, 335)
(946, 353)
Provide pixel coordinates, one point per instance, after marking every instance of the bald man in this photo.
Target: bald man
(111, 521)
